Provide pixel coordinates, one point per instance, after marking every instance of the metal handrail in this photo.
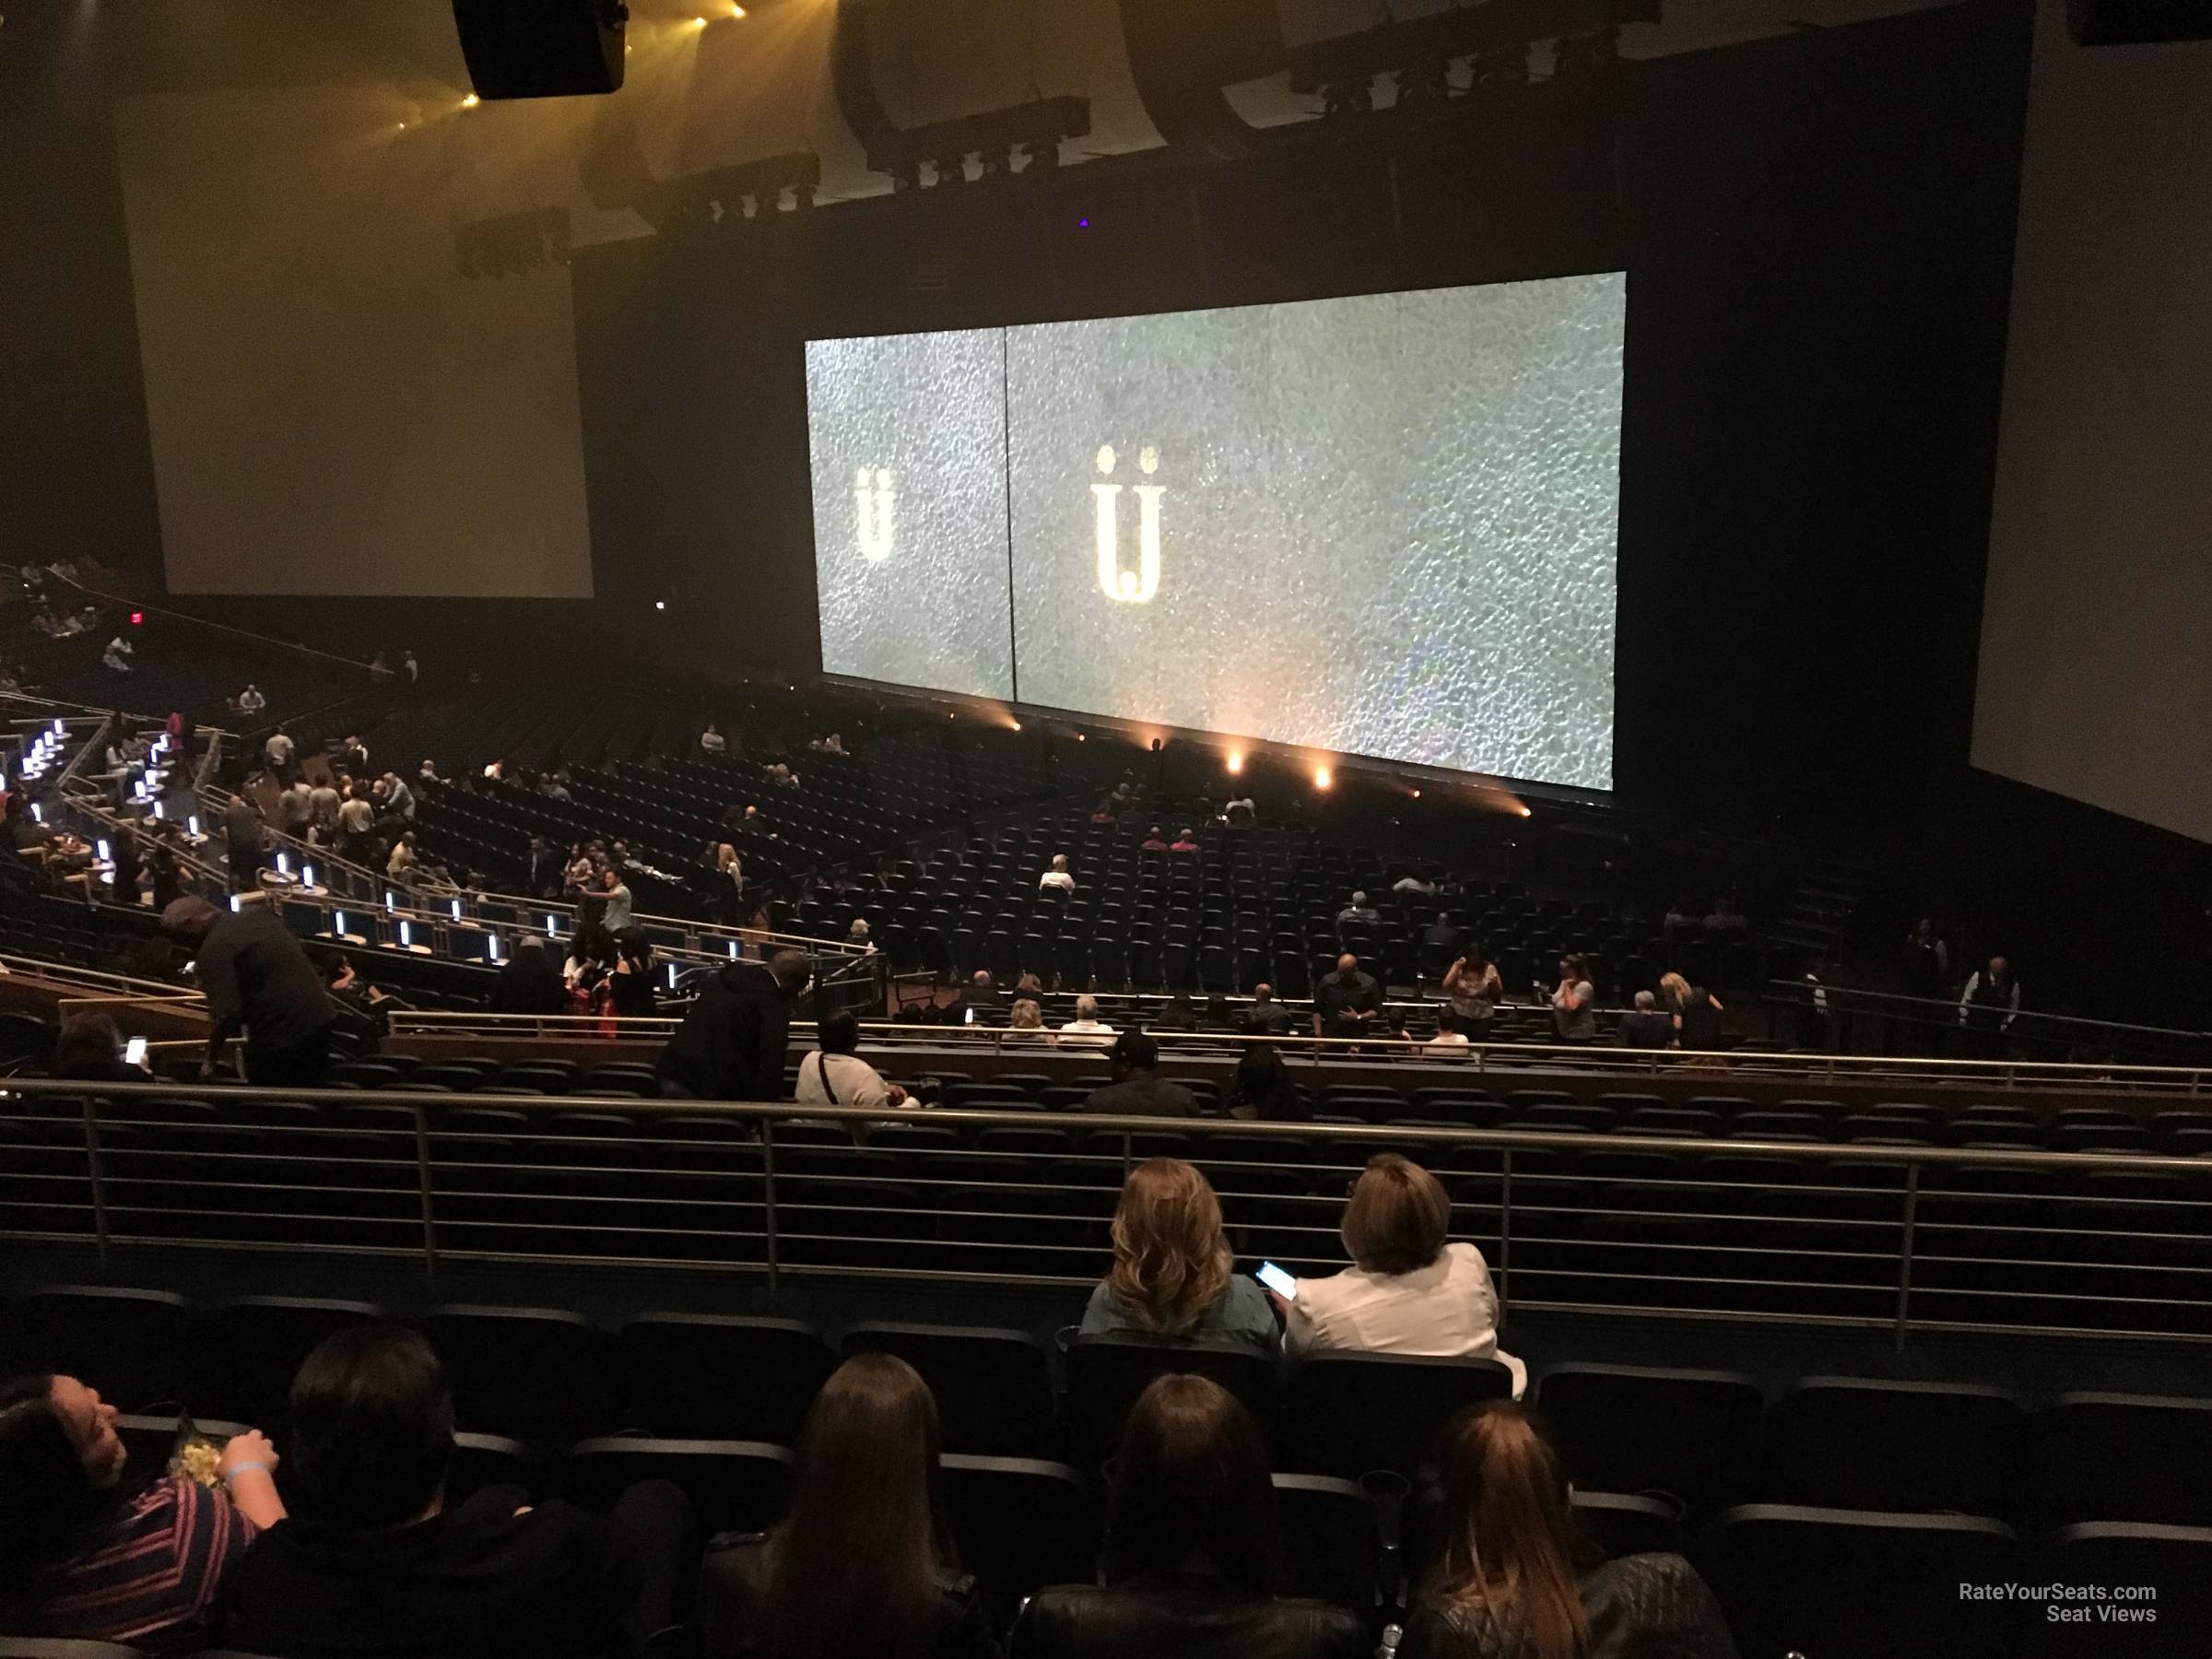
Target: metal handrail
(97, 980)
(608, 1202)
(713, 937)
(1950, 1011)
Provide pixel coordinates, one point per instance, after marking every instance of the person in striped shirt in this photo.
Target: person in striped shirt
(82, 1555)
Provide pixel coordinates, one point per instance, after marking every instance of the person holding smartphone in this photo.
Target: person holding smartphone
(90, 1047)
(1410, 1290)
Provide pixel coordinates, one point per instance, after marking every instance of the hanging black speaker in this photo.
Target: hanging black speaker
(541, 48)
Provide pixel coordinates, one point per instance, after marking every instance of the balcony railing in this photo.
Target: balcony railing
(1906, 1239)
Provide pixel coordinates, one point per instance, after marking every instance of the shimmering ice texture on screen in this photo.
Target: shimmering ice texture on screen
(1387, 525)
(930, 410)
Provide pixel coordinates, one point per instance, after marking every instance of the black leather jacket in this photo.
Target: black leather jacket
(1640, 1606)
(733, 1583)
(1190, 1617)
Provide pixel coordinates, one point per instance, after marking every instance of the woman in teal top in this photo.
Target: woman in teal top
(1172, 1278)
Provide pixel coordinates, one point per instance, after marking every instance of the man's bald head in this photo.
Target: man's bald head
(1347, 963)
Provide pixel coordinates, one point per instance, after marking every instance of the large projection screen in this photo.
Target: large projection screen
(1381, 527)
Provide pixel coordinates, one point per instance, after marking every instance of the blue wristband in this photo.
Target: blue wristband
(237, 1469)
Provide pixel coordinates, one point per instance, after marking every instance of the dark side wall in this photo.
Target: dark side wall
(77, 470)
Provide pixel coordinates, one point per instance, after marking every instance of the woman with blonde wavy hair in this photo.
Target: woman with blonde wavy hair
(1172, 1278)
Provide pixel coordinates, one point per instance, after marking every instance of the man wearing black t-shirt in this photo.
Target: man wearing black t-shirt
(1347, 1002)
(372, 1565)
(255, 974)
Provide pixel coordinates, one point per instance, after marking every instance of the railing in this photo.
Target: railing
(1897, 1239)
(340, 887)
(1508, 1061)
(1873, 1019)
(117, 986)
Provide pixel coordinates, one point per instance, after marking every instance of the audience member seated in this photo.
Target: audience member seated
(1178, 1014)
(1172, 1278)
(1574, 1003)
(1086, 1029)
(90, 1046)
(736, 1032)
(980, 1003)
(712, 741)
(1409, 1291)
(1026, 1019)
(1184, 841)
(363, 1013)
(1449, 1043)
(1515, 1578)
(82, 1557)
(1193, 1557)
(1138, 1090)
(1263, 1017)
(1646, 1026)
(376, 1565)
(1261, 1087)
(1357, 913)
(1696, 1011)
(529, 982)
(864, 1563)
(834, 1075)
(250, 702)
(1154, 842)
(1413, 885)
(1057, 878)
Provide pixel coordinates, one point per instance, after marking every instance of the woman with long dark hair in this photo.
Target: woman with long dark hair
(1515, 1577)
(1262, 1088)
(862, 1567)
(83, 1556)
(1193, 1560)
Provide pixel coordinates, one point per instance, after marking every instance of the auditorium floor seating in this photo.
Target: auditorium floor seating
(174, 664)
(1250, 905)
(1833, 1514)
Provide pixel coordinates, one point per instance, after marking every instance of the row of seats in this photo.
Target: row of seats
(1838, 1577)
(1707, 1440)
(2183, 1132)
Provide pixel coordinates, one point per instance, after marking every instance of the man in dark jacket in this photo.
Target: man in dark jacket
(1138, 1090)
(732, 1043)
(255, 974)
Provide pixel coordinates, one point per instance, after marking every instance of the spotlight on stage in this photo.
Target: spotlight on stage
(1236, 764)
(1323, 778)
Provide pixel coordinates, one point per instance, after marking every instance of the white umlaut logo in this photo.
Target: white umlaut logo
(874, 500)
(1138, 586)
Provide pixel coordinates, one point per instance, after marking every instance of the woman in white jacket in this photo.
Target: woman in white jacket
(1409, 1289)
